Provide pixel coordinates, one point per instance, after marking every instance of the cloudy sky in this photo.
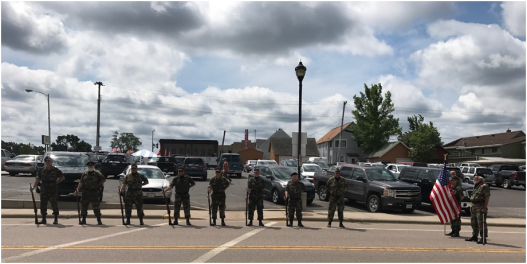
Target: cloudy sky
(191, 70)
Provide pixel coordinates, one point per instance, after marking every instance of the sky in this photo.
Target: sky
(190, 70)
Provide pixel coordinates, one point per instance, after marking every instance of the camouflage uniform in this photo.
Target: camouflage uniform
(455, 224)
(90, 192)
(257, 185)
(134, 194)
(336, 187)
(49, 189)
(481, 190)
(218, 186)
(182, 185)
(294, 193)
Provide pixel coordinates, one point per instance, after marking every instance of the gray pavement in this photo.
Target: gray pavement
(22, 241)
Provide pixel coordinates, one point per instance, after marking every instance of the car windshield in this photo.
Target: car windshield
(193, 161)
(232, 158)
(322, 164)
(378, 174)
(484, 171)
(510, 167)
(70, 161)
(312, 168)
(25, 158)
(284, 173)
(180, 160)
(165, 159)
(267, 163)
(292, 163)
(252, 161)
(151, 173)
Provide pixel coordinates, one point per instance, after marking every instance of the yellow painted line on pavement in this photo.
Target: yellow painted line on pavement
(313, 248)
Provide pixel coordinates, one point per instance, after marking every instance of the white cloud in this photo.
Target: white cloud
(514, 17)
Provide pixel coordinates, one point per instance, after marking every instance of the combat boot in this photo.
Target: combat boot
(188, 221)
(127, 221)
(451, 233)
(223, 222)
(141, 221)
(83, 221)
(175, 222)
(43, 222)
(456, 234)
(299, 223)
(213, 222)
(341, 225)
(56, 221)
(99, 222)
(480, 241)
(290, 223)
(250, 223)
(329, 224)
(473, 238)
(260, 223)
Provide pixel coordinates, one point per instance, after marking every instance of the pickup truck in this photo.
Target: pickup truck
(375, 186)
(508, 175)
(166, 164)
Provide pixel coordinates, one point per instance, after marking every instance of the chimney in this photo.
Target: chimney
(508, 130)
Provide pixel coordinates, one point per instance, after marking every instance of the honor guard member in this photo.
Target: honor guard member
(255, 188)
(182, 183)
(455, 224)
(134, 194)
(480, 200)
(226, 169)
(89, 185)
(294, 190)
(218, 185)
(50, 177)
(337, 186)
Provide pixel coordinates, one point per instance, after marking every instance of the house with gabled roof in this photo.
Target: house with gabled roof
(350, 150)
(510, 144)
(391, 152)
(264, 146)
(282, 148)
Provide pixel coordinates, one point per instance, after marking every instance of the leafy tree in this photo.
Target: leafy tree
(422, 139)
(70, 143)
(21, 148)
(374, 121)
(125, 141)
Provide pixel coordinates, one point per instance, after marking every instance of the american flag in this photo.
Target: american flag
(443, 199)
(117, 149)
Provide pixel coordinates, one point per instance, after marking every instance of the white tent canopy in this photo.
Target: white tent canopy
(145, 153)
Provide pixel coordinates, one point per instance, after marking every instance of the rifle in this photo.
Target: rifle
(78, 208)
(121, 201)
(168, 208)
(286, 211)
(34, 204)
(210, 214)
(484, 235)
(246, 209)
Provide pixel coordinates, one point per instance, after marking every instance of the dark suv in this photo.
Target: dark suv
(425, 178)
(114, 164)
(195, 167)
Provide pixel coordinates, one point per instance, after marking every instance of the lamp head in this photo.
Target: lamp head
(300, 71)
(29, 90)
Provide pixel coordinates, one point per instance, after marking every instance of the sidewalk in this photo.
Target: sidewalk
(276, 215)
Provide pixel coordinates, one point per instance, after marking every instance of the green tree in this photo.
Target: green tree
(70, 143)
(125, 141)
(374, 121)
(422, 139)
(21, 148)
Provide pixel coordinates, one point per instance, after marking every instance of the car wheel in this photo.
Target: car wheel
(374, 203)
(276, 196)
(408, 211)
(323, 193)
(12, 174)
(310, 201)
(506, 184)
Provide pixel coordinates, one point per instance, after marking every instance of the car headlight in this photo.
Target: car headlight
(389, 193)
(283, 184)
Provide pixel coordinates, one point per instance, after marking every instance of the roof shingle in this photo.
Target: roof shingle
(486, 140)
(333, 133)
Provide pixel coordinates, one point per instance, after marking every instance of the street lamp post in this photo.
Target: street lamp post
(300, 72)
(153, 140)
(49, 122)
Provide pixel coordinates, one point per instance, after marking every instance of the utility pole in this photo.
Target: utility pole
(98, 114)
(255, 139)
(223, 141)
(341, 125)
(153, 140)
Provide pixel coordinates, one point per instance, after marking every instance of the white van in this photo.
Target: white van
(318, 159)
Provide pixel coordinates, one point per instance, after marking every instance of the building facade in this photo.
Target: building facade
(190, 147)
(350, 150)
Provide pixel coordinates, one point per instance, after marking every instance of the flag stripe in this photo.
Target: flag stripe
(443, 199)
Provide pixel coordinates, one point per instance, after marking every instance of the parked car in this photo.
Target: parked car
(396, 168)
(235, 163)
(289, 163)
(469, 165)
(376, 186)
(195, 167)
(72, 165)
(248, 166)
(469, 172)
(23, 164)
(166, 164)
(308, 170)
(323, 165)
(180, 160)
(508, 175)
(425, 178)
(276, 178)
(157, 182)
(318, 159)
(265, 162)
(522, 167)
(414, 164)
(114, 164)
(6, 155)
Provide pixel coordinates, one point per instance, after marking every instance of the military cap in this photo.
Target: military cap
(90, 163)
(134, 166)
(224, 158)
(218, 169)
(47, 157)
(337, 170)
(257, 169)
(480, 174)
(180, 169)
(294, 173)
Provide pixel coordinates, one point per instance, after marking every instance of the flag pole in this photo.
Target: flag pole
(444, 226)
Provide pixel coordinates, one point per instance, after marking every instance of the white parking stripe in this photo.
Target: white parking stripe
(231, 243)
(32, 253)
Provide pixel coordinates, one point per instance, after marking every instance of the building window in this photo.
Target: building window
(494, 149)
(472, 151)
(338, 145)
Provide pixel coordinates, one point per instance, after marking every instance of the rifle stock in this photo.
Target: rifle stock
(210, 214)
(246, 205)
(286, 211)
(34, 204)
(121, 202)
